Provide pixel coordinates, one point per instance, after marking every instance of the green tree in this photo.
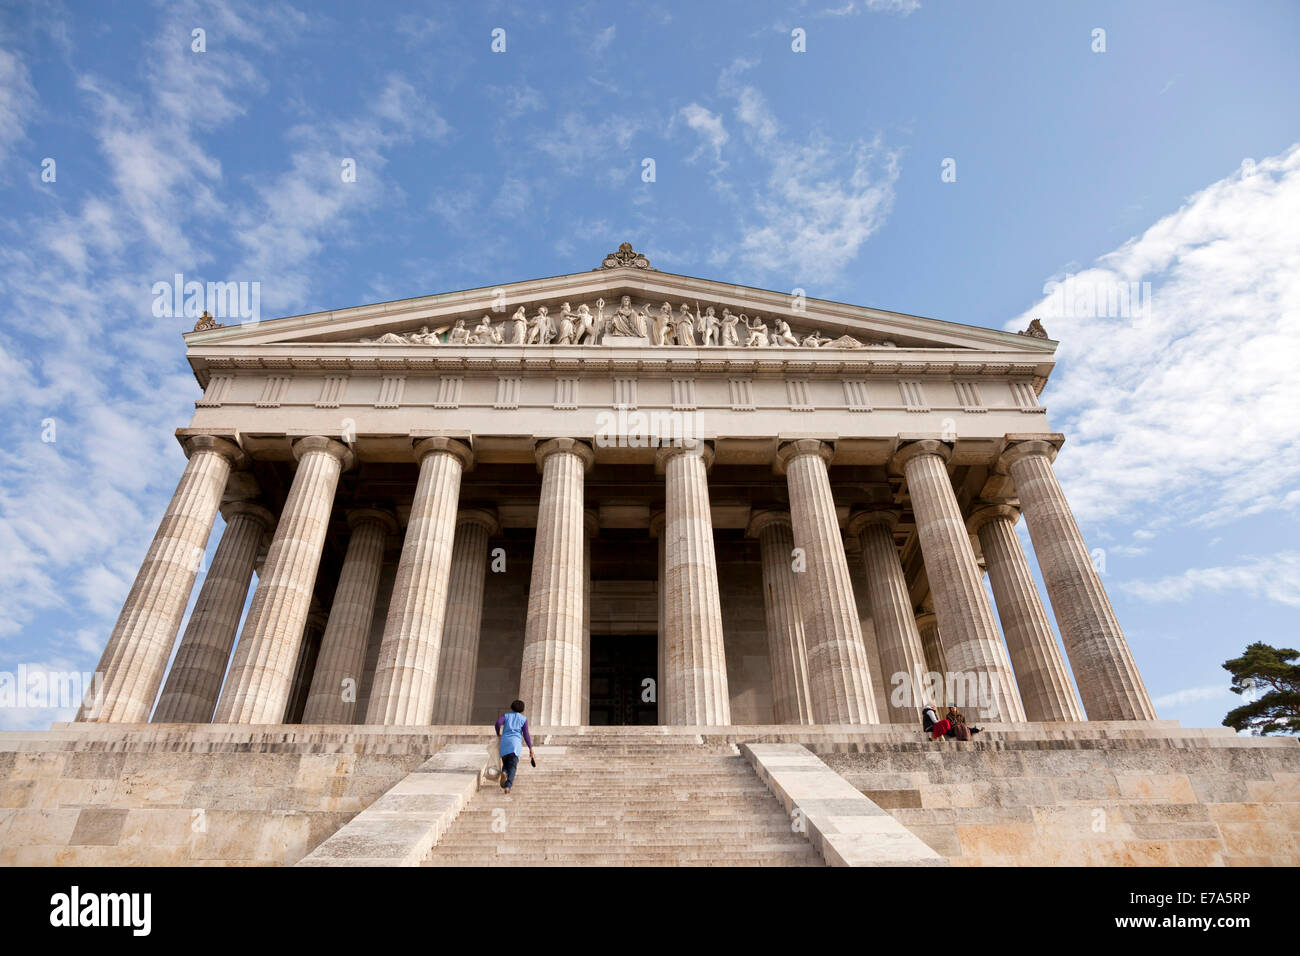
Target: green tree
(1273, 673)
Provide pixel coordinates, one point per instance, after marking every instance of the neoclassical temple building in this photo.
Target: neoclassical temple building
(628, 497)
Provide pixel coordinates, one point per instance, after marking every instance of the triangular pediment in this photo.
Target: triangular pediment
(617, 305)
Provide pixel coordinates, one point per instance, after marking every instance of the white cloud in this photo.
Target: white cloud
(708, 125)
(1193, 695)
(1189, 403)
(17, 101)
(1275, 577)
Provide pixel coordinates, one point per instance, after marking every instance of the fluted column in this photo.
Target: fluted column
(697, 660)
(858, 574)
(190, 694)
(663, 699)
(550, 678)
(131, 668)
(261, 674)
(970, 635)
(1040, 672)
(786, 650)
(591, 528)
(313, 634)
(936, 662)
(838, 674)
(406, 673)
(337, 679)
(899, 643)
(458, 661)
(1108, 678)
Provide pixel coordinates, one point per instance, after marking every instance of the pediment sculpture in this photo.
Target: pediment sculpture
(628, 322)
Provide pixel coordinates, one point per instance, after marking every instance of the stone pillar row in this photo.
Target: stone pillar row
(428, 653)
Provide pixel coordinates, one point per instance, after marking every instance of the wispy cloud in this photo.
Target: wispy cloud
(1275, 577)
(1193, 695)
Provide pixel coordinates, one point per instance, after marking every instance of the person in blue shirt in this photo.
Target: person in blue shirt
(512, 728)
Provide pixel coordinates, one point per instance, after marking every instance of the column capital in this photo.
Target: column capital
(330, 446)
(759, 521)
(487, 517)
(250, 508)
(222, 446)
(440, 444)
(573, 446)
(1018, 450)
(700, 449)
(657, 521)
(790, 450)
(359, 516)
(926, 618)
(987, 511)
(916, 449)
(862, 520)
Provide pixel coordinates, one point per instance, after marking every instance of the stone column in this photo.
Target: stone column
(1108, 678)
(697, 660)
(1040, 672)
(458, 661)
(838, 674)
(970, 636)
(131, 668)
(591, 527)
(897, 638)
(550, 679)
(664, 701)
(313, 634)
(791, 697)
(261, 674)
(858, 573)
(337, 679)
(194, 683)
(927, 625)
(406, 674)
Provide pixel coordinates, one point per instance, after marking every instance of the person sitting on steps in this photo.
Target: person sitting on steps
(960, 730)
(512, 728)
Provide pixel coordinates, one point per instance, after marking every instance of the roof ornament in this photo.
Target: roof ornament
(206, 321)
(626, 256)
(1036, 330)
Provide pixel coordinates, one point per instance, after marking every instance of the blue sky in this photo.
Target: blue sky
(1172, 158)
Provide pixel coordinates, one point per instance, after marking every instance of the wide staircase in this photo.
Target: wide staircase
(634, 801)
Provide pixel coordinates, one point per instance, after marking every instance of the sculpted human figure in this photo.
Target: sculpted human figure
(540, 329)
(660, 328)
(757, 332)
(459, 334)
(389, 338)
(783, 335)
(624, 319)
(643, 321)
(519, 327)
(424, 337)
(482, 333)
(815, 340)
(568, 321)
(684, 328)
(586, 331)
(707, 325)
(730, 332)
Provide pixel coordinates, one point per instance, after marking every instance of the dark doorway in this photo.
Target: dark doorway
(620, 667)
